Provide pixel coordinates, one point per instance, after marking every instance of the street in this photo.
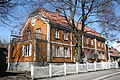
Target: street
(113, 74)
(14, 76)
(87, 76)
(115, 77)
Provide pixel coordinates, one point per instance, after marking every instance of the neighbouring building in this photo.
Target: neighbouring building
(46, 37)
(114, 54)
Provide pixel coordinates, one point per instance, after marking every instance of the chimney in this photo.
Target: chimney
(57, 12)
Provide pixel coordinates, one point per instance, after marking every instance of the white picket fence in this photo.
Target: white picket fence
(67, 68)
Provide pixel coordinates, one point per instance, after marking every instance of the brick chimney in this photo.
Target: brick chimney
(57, 12)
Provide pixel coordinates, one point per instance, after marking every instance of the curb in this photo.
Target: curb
(106, 76)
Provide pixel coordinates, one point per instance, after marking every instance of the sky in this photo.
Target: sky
(6, 32)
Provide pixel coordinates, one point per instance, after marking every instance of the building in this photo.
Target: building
(114, 54)
(46, 37)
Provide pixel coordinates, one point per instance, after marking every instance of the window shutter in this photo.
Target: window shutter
(23, 50)
(30, 49)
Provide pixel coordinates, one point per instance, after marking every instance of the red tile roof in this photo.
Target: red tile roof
(57, 18)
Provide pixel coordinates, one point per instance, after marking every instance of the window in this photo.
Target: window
(98, 44)
(57, 51)
(27, 50)
(92, 41)
(67, 52)
(38, 33)
(56, 33)
(102, 44)
(65, 35)
(86, 40)
(29, 33)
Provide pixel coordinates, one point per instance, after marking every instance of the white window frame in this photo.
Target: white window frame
(92, 42)
(57, 52)
(29, 34)
(67, 52)
(102, 45)
(98, 44)
(27, 50)
(65, 35)
(56, 33)
(87, 42)
(38, 33)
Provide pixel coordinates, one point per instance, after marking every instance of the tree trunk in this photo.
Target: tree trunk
(79, 52)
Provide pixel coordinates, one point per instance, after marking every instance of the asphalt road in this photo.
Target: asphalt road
(81, 76)
(13, 76)
(86, 76)
(115, 77)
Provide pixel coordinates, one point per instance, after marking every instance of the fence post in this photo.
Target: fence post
(102, 65)
(95, 65)
(64, 68)
(87, 67)
(32, 72)
(50, 70)
(109, 64)
(77, 67)
(116, 63)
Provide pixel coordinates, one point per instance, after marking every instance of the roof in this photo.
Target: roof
(115, 55)
(57, 18)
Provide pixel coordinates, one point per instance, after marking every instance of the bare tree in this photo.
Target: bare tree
(84, 12)
(11, 12)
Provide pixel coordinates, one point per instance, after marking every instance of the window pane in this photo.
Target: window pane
(30, 49)
(38, 33)
(86, 40)
(56, 33)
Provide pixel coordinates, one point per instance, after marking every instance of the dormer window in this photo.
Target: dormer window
(56, 33)
(65, 35)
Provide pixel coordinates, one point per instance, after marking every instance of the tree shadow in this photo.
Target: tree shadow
(5, 74)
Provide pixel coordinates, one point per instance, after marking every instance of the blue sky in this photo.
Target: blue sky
(5, 32)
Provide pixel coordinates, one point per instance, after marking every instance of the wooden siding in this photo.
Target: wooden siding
(41, 51)
(61, 36)
(41, 46)
(63, 58)
(39, 24)
(16, 52)
(89, 45)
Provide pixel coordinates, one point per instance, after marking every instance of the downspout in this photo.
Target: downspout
(34, 60)
(48, 44)
(71, 45)
(8, 60)
(95, 45)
